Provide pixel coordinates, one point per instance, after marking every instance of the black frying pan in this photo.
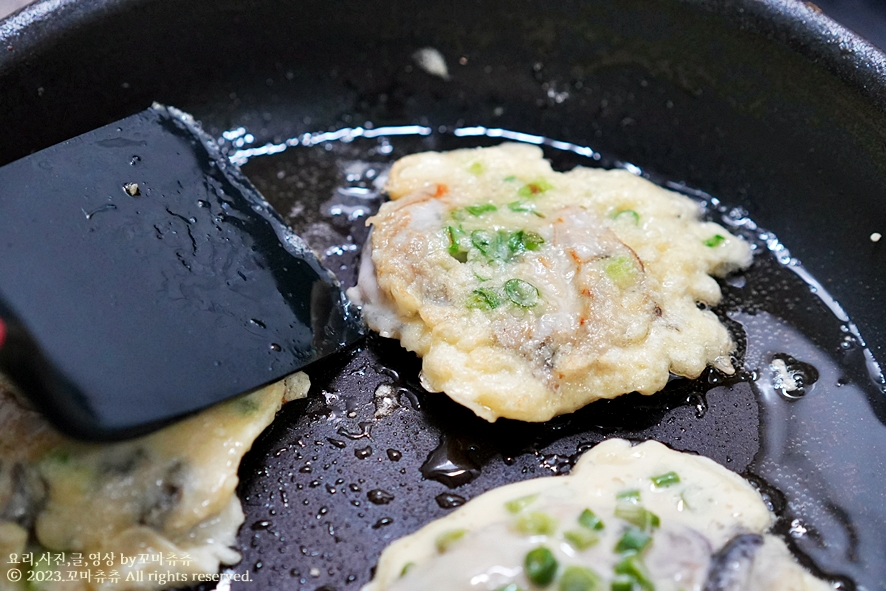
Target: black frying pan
(765, 105)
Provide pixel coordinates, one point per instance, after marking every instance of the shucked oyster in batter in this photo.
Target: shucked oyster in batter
(643, 518)
(530, 293)
(156, 512)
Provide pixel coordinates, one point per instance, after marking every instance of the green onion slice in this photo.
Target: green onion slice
(522, 293)
(590, 520)
(476, 168)
(627, 215)
(715, 240)
(581, 538)
(540, 566)
(535, 188)
(536, 523)
(445, 540)
(622, 270)
(517, 505)
(578, 578)
(406, 568)
(480, 209)
(628, 496)
(632, 566)
(483, 299)
(523, 240)
(636, 515)
(665, 480)
(455, 234)
(493, 245)
(624, 583)
(523, 207)
(633, 540)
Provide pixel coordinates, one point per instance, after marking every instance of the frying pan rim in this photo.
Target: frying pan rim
(800, 26)
(785, 23)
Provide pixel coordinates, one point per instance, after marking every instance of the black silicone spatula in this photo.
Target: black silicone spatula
(142, 277)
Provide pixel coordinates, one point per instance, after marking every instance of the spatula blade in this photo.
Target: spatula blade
(142, 277)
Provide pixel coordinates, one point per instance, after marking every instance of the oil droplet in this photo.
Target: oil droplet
(450, 464)
(700, 402)
(263, 524)
(202, 203)
(135, 160)
(257, 323)
(363, 452)
(449, 500)
(363, 432)
(106, 207)
(394, 455)
(276, 347)
(382, 522)
(378, 496)
(791, 378)
(336, 442)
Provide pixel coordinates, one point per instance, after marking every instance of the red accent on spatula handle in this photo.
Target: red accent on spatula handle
(2, 333)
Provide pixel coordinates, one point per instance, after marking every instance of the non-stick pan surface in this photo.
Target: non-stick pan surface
(773, 110)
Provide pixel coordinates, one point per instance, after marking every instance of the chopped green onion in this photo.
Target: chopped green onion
(246, 405)
(624, 583)
(455, 235)
(483, 299)
(523, 207)
(632, 566)
(482, 240)
(628, 496)
(445, 540)
(492, 245)
(509, 178)
(477, 210)
(715, 240)
(665, 480)
(633, 540)
(622, 270)
(517, 505)
(522, 293)
(536, 523)
(476, 168)
(627, 215)
(540, 566)
(406, 568)
(582, 538)
(62, 456)
(534, 188)
(510, 587)
(523, 240)
(457, 214)
(590, 520)
(578, 578)
(636, 515)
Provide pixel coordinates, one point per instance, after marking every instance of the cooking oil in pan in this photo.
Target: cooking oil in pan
(803, 420)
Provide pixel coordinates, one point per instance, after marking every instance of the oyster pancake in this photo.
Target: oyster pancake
(170, 493)
(626, 518)
(530, 293)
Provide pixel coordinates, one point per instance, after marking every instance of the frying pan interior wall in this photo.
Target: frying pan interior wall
(764, 105)
(760, 104)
